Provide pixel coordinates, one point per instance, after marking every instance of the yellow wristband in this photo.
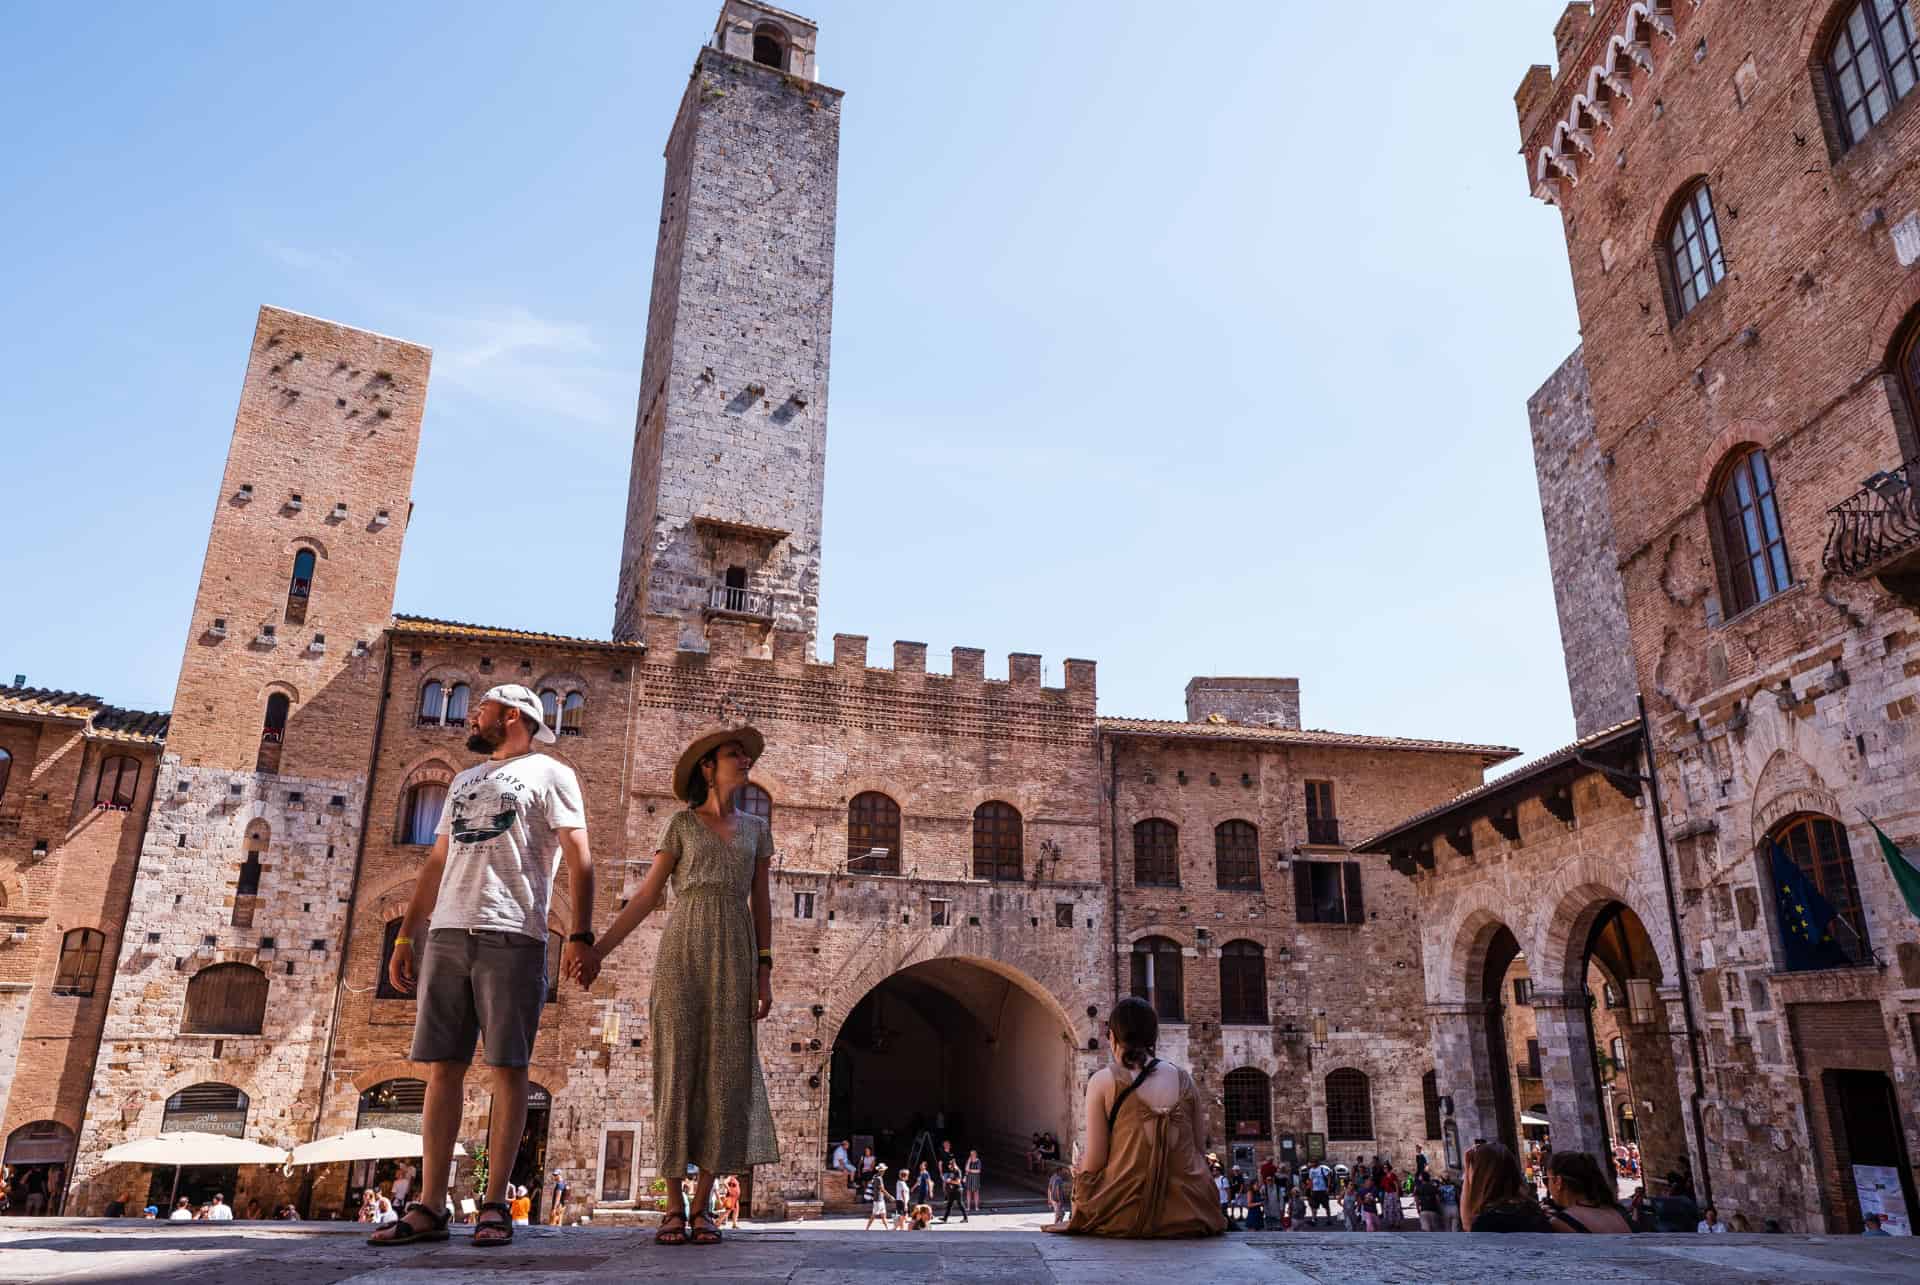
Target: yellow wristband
(403, 941)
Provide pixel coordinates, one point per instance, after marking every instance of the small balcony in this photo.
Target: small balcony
(1875, 533)
(739, 602)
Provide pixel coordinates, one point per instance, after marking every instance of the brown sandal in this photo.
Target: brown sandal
(707, 1235)
(488, 1234)
(672, 1235)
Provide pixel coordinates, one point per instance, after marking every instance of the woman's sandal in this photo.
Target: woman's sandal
(673, 1229)
(488, 1234)
(709, 1234)
(405, 1233)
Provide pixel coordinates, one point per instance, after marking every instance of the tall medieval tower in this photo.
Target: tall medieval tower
(723, 511)
(239, 911)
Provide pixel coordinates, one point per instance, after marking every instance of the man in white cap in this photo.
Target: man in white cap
(482, 896)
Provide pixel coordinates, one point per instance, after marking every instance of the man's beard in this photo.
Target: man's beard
(480, 743)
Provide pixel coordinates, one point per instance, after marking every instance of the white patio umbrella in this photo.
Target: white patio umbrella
(190, 1148)
(1528, 1117)
(363, 1144)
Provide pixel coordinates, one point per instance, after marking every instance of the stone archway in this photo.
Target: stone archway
(963, 1048)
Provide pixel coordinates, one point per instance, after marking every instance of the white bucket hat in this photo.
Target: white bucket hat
(521, 697)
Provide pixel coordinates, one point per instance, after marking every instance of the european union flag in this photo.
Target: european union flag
(1807, 919)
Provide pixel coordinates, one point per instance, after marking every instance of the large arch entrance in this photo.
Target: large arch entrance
(961, 1050)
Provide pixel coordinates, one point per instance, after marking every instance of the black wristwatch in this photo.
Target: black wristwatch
(585, 938)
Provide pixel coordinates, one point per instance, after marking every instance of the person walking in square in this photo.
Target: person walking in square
(482, 899)
(973, 1181)
(955, 1184)
(712, 975)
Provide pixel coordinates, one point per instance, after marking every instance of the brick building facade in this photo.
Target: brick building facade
(969, 868)
(1741, 203)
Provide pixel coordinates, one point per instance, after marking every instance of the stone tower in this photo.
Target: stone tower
(723, 511)
(240, 905)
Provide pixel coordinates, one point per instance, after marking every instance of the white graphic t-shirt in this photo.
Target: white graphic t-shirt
(501, 820)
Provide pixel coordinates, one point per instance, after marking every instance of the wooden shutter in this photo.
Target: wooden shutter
(1356, 911)
(1303, 892)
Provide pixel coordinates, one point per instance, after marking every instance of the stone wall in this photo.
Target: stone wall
(1261, 702)
(1586, 578)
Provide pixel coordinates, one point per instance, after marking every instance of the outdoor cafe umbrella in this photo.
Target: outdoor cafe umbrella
(1528, 1117)
(363, 1144)
(190, 1148)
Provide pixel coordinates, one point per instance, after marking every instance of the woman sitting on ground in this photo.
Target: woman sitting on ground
(1579, 1196)
(1143, 1173)
(1494, 1196)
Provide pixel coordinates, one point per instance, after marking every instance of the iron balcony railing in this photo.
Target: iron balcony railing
(1875, 524)
(739, 601)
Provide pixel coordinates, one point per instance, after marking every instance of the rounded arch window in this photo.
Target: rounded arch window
(1159, 977)
(420, 817)
(1870, 65)
(1691, 241)
(1349, 1106)
(572, 709)
(1156, 853)
(1816, 894)
(274, 726)
(226, 999)
(754, 801)
(770, 46)
(1749, 541)
(997, 842)
(1236, 856)
(550, 707)
(873, 834)
(209, 1107)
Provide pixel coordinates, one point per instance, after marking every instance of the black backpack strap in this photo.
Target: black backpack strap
(1554, 1211)
(1113, 1112)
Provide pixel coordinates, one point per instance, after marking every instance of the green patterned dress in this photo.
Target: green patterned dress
(709, 1098)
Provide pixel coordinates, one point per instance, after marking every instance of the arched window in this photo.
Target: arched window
(754, 801)
(1349, 1106)
(273, 729)
(79, 961)
(1249, 1103)
(1430, 1098)
(770, 46)
(383, 987)
(873, 835)
(259, 835)
(1695, 263)
(1156, 853)
(550, 707)
(572, 709)
(206, 1108)
(40, 1142)
(425, 802)
(457, 696)
(300, 586)
(118, 781)
(1748, 537)
(996, 842)
(1236, 856)
(393, 1104)
(1243, 984)
(6, 770)
(1817, 845)
(226, 999)
(433, 702)
(1870, 65)
(1158, 977)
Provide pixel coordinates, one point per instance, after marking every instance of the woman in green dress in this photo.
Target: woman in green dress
(712, 978)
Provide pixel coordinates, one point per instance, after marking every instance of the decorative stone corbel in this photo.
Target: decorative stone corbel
(1581, 139)
(1642, 53)
(1619, 84)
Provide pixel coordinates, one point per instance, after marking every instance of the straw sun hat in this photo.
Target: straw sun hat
(690, 757)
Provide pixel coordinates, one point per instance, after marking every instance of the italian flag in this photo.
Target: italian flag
(1905, 874)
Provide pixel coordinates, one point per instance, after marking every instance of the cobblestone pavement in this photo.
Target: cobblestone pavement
(87, 1250)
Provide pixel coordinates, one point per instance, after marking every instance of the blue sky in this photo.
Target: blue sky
(1184, 339)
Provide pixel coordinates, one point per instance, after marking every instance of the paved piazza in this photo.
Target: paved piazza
(994, 1248)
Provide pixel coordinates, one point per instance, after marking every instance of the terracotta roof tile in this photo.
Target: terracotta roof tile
(460, 629)
(104, 721)
(1295, 736)
(1507, 781)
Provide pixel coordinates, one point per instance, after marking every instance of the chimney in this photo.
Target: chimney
(1252, 702)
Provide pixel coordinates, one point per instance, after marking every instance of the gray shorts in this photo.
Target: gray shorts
(487, 985)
